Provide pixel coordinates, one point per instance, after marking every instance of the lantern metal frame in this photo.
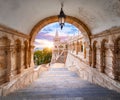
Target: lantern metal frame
(61, 17)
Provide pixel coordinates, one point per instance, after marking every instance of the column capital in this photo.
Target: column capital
(32, 46)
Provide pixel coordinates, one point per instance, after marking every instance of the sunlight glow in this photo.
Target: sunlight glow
(50, 45)
(42, 43)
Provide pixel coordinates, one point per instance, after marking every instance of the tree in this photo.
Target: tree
(42, 56)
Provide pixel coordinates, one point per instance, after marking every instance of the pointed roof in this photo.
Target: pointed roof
(56, 34)
(56, 38)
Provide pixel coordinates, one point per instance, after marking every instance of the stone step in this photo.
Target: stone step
(61, 98)
(62, 84)
(58, 69)
(59, 75)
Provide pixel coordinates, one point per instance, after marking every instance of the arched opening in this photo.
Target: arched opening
(103, 56)
(94, 54)
(117, 59)
(17, 57)
(84, 50)
(69, 19)
(52, 34)
(81, 47)
(77, 47)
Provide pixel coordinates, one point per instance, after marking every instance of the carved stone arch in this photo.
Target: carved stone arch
(94, 54)
(69, 19)
(103, 55)
(17, 56)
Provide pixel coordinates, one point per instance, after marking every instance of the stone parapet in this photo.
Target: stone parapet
(22, 80)
(91, 74)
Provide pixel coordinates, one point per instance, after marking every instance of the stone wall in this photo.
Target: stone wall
(97, 60)
(22, 80)
(14, 52)
(16, 61)
(105, 52)
(100, 60)
(86, 72)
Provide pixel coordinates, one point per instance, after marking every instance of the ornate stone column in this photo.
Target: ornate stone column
(19, 59)
(90, 55)
(76, 47)
(9, 52)
(27, 56)
(93, 57)
(22, 58)
(31, 55)
(114, 65)
(77, 44)
(84, 50)
(102, 66)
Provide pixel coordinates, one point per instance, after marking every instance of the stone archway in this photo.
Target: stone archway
(69, 19)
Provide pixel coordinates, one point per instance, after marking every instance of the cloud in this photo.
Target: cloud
(46, 35)
(51, 29)
(42, 43)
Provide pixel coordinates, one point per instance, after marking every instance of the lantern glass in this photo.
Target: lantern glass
(61, 20)
(61, 17)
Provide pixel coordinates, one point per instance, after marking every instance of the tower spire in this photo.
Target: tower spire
(56, 34)
(56, 38)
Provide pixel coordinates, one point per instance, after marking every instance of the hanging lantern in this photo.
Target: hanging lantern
(61, 17)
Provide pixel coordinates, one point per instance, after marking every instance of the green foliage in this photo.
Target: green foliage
(42, 56)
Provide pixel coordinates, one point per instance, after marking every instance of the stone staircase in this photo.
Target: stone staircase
(62, 57)
(61, 84)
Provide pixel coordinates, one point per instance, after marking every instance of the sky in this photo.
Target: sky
(46, 35)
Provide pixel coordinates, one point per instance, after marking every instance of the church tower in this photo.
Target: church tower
(55, 51)
(56, 38)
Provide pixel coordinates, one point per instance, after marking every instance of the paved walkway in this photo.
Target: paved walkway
(61, 84)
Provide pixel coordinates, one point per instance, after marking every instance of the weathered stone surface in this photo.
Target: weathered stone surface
(22, 80)
(92, 74)
(58, 83)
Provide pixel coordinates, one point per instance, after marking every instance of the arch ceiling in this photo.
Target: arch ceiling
(23, 15)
